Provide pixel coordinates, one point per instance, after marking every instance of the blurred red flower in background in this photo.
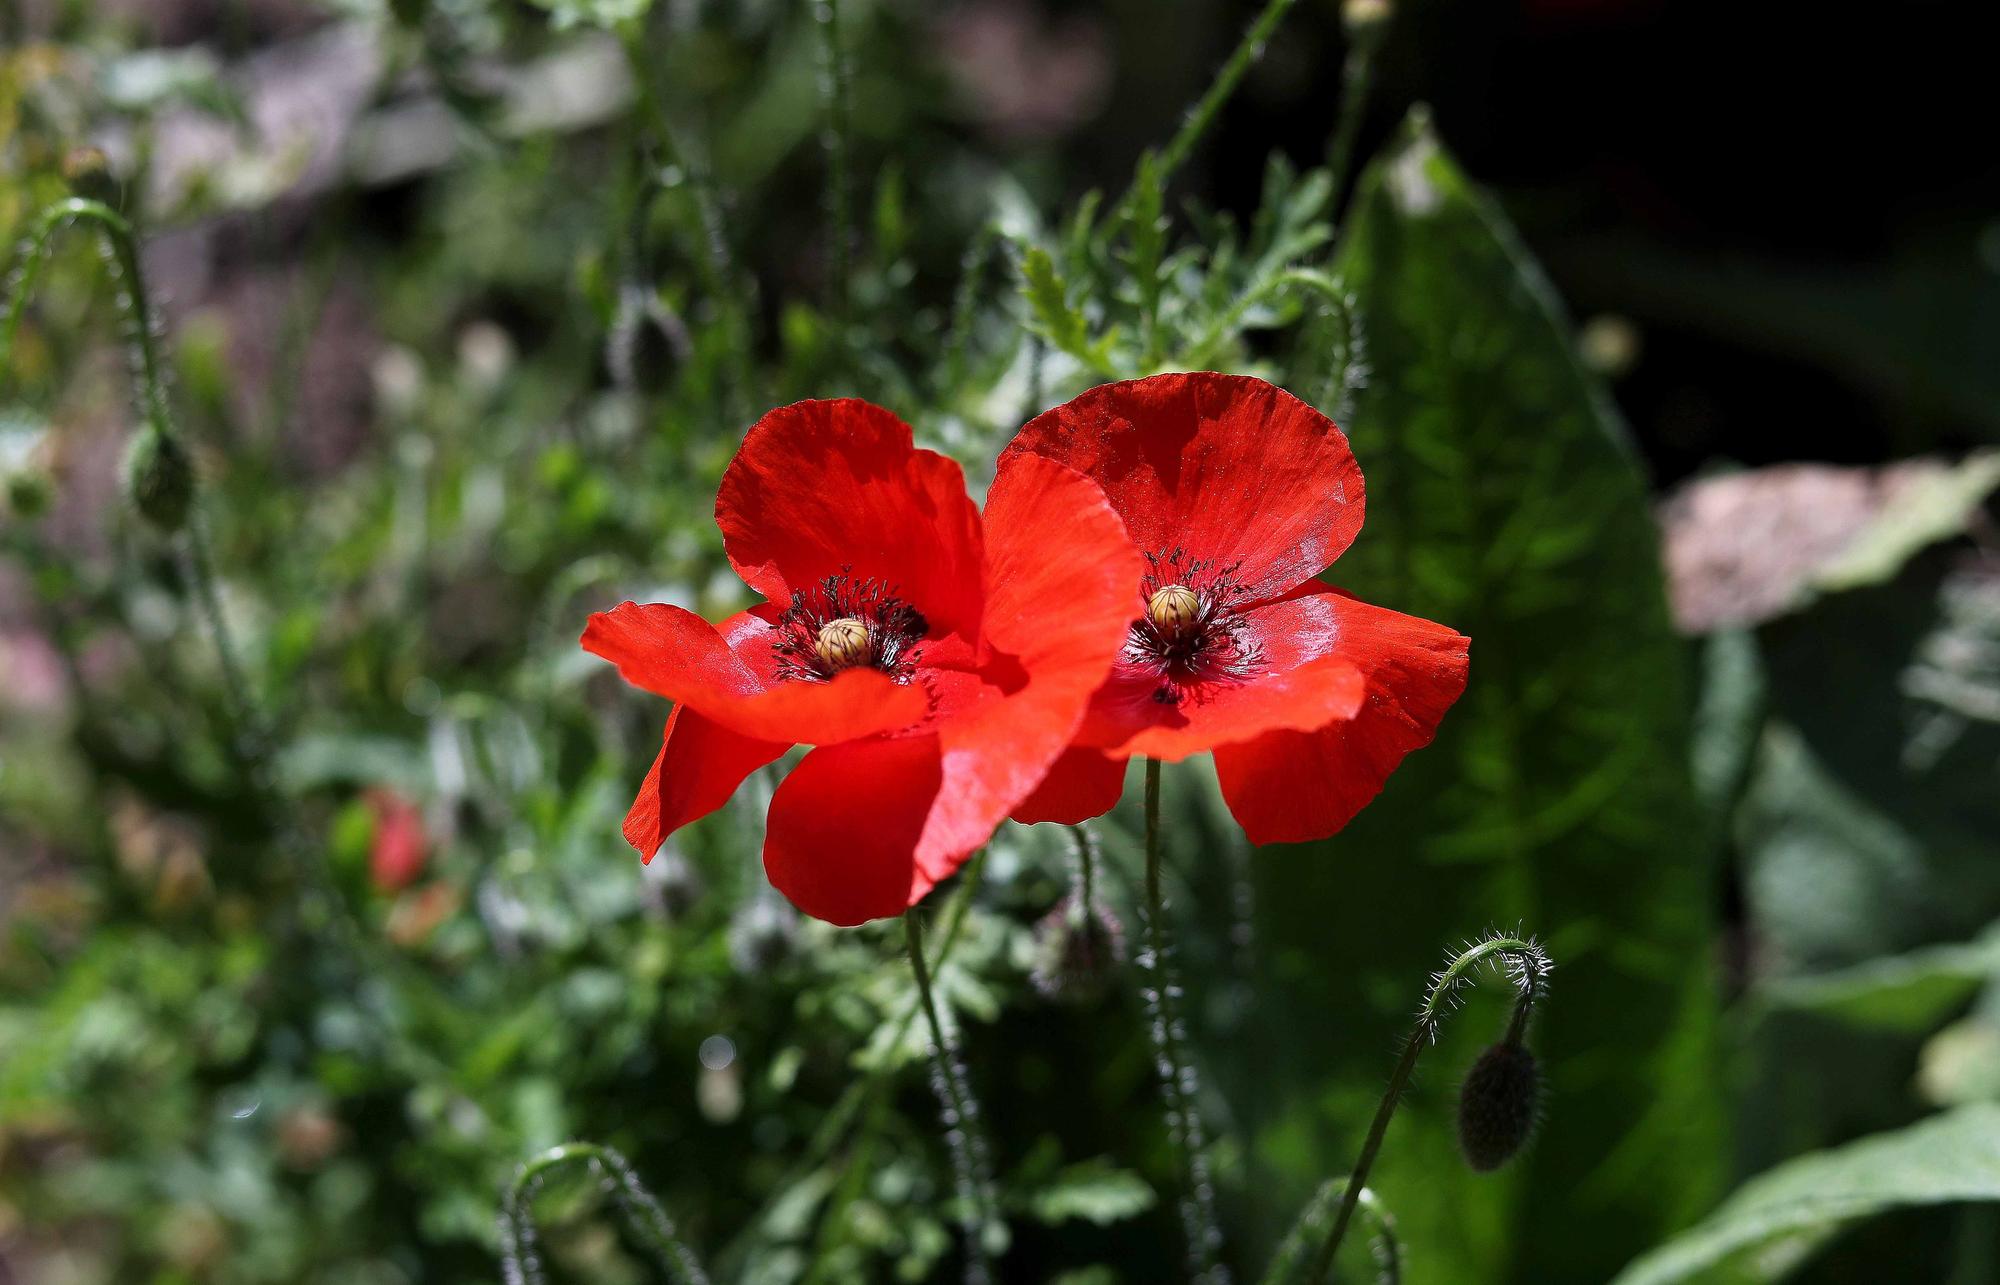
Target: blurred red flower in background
(939, 659)
(401, 847)
(1239, 494)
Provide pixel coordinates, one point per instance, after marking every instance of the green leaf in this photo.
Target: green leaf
(1909, 993)
(1934, 502)
(1055, 319)
(1776, 1221)
(1503, 501)
(1095, 1192)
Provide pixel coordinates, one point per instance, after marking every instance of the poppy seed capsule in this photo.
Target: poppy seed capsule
(842, 643)
(1174, 610)
(1497, 1105)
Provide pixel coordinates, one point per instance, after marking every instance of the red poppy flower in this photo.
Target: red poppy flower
(1239, 494)
(940, 659)
(401, 847)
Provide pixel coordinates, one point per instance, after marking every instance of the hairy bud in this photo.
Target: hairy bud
(1497, 1105)
(88, 172)
(1075, 953)
(1360, 16)
(159, 479)
(28, 493)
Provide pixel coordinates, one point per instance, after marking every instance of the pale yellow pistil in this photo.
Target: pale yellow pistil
(842, 643)
(1174, 610)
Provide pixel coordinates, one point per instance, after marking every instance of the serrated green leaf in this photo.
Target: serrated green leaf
(1055, 319)
(1909, 993)
(1503, 501)
(1776, 1221)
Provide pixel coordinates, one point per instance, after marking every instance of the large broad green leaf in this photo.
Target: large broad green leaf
(1504, 501)
(1777, 1220)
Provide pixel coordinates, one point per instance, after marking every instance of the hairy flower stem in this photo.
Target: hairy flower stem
(968, 1148)
(1197, 1204)
(834, 78)
(1202, 115)
(1527, 966)
(149, 400)
(1357, 79)
(1086, 870)
(521, 1260)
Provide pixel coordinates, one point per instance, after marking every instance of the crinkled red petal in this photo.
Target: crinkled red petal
(826, 488)
(1226, 468)
(1293, 786)
(699, 766)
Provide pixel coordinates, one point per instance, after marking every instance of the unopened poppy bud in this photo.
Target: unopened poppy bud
(1075, 953)
(842, 642)
(1173, 610)
(28, 493)
(1497, 1105)
(159, 478)
(88, 172)
(1365, 15)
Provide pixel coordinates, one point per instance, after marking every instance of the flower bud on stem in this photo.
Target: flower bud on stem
(1527, 966)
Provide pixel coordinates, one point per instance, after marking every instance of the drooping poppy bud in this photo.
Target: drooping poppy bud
(1076, 953)
(1497, 1105)
(159, 479)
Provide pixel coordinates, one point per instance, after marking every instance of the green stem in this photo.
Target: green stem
(1202, 115)
(521, 1260)
(1528, 967)
(248, 741)
(964, 1119)
(121, 247)
(1086, 864)
(834, 90)
(1197, 1203)
(1356, 80)
(727, 290)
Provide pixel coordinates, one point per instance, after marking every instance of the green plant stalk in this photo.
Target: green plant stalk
(149, 401)
(835, 89)
(1357, 79)
(1530, 969)
(520, 1260)
(1202, 115)
(1298, 1243)
(725, 286)
(1086, 864)
(958, 1095)
(1197, 1204)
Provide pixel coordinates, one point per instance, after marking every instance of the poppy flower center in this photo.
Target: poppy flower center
(844, 623)
(842, 642)
(1191, 635)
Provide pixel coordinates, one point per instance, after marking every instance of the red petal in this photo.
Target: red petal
(825, 488)
(1225, 467)
(1302, 680)
(863, 830)
(841, 841)
(1289, 787)
(676, 654)
(1080, 785)
(699, 766)
(1060, 577)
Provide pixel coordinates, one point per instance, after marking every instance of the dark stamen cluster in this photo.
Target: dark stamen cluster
(894, 629)
(1211, 647)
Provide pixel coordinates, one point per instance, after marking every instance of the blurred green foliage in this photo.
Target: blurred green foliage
(437, 418)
